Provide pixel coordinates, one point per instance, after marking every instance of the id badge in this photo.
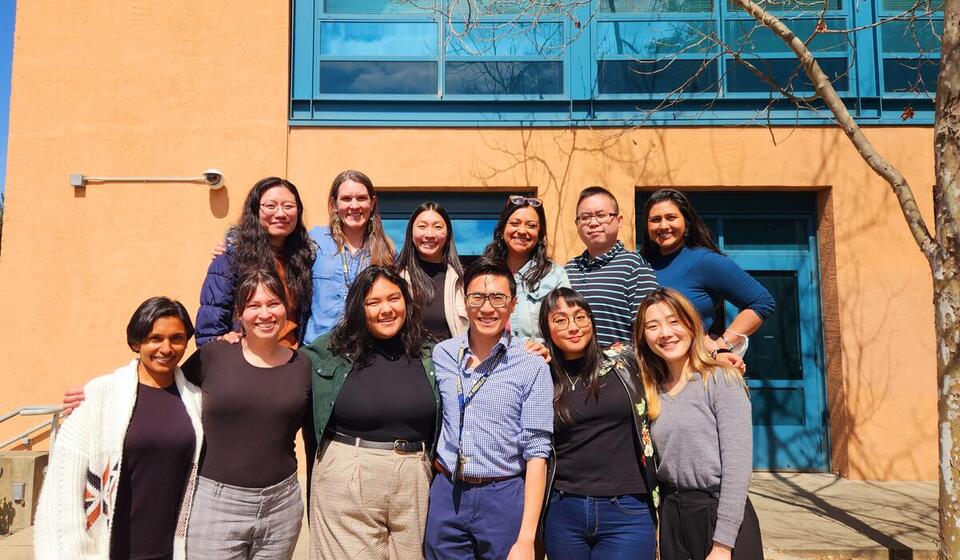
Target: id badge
(461, 466)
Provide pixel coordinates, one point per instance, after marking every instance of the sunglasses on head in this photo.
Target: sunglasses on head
(520, 200)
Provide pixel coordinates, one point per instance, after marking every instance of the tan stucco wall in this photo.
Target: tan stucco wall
(140, 89)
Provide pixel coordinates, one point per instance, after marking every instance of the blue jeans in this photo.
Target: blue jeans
(591, 528)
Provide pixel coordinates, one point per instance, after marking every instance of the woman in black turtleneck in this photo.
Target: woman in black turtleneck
(429, 262)
(376, 412)
(606, 509)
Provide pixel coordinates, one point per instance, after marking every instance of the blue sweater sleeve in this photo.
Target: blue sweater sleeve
(725, 277)
(214, 318)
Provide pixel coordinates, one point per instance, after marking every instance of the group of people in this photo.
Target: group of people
(447, 411)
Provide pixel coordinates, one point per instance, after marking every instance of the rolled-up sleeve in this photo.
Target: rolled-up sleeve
(536, 416)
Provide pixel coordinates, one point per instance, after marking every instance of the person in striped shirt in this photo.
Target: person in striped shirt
(611, 278)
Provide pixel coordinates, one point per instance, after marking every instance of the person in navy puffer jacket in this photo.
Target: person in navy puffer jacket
(270, 235)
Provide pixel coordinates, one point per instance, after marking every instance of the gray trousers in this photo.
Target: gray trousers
(235, 523)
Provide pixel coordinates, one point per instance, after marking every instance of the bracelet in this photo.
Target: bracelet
(727, 342)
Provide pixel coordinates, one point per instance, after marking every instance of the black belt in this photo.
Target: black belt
(475, 480)
(399, 445)
(671, 490)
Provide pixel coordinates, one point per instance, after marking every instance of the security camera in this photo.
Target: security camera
(213, 177)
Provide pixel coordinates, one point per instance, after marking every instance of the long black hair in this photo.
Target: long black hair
(592, 357)
(497, 249)
(697, 234)
(421, 286)
(351, 335)
(252, 249)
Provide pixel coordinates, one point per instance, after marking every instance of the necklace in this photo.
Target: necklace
(573, 382)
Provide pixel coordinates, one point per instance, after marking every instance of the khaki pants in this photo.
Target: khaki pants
(368, 503)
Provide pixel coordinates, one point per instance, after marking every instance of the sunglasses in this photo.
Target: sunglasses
(519, 200)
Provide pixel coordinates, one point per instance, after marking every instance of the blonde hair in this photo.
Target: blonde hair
(381, 248)
(653, 369)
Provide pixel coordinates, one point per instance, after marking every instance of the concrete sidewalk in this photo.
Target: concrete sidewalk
(809, 516)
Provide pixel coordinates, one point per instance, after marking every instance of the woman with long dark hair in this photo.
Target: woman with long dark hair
(429, 262)
(352, 240)
(520, 242)
(702, 431)
(377, 410)
(269, 236)
(684, 257)
(596, 510)
(122, 464)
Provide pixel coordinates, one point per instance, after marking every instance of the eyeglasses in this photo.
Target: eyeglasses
(519, 200)
(497, 300)
(602, 218)
(561, 322)
(271, 207)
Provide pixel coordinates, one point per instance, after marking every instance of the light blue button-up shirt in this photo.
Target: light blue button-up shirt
(331, 282)
(525, 319)
(510, 418)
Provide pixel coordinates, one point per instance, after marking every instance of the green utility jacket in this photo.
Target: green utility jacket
(330, 372)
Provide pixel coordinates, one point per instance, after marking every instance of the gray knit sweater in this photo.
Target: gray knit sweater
(704, 439)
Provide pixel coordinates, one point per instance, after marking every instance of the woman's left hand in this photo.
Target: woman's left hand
(720, 552)
(231, 337)
(534, 347)
(734, 360)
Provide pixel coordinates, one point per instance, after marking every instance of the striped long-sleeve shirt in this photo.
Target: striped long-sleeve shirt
(614, 284)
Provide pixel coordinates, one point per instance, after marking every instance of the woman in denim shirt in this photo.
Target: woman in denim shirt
(353, 240)
(520, 240)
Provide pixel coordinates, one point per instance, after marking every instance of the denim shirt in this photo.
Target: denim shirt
(331, 282)
(525, 319)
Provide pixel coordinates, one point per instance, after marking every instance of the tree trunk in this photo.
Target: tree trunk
(946, 278)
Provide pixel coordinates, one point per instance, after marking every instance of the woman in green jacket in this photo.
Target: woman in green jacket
(376, 412)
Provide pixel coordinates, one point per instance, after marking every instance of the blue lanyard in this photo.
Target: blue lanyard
(465, 399)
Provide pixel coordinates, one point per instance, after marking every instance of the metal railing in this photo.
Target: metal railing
(24, 437)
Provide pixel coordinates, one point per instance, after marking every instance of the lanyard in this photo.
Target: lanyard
(346, 268)
(464, 399)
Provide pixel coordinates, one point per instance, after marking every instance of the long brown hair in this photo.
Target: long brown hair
(653, 369)
(374, 238)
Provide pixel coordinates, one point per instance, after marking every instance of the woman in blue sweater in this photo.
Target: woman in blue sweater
(684, 257)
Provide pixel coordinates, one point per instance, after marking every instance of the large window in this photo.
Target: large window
(384, 62)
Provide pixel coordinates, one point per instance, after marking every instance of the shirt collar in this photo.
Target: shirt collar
(600, 260)
(500, 346)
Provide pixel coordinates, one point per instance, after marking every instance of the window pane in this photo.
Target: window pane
(741, 79)
(650, 39)
(514, 39)
(471, 235)
(777, 407)
(742, 233)
(378, 39)
(461, 9)
(922, 35)
(377, 6)
(904, 5)
(904, 75)
(655, 6)
(774, 351)
(489, 78)
(748, 35)
(629, 76)
(791, 6)
(378, 77)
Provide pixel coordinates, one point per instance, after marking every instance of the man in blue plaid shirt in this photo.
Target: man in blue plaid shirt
(497, 402)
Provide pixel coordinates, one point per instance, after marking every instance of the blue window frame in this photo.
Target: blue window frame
(474, 215)
(610, 62)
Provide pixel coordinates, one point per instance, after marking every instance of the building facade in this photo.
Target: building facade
(433, 102)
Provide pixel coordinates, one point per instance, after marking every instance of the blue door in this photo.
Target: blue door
(773, 237)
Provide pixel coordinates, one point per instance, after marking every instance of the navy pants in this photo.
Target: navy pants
(473, 520)
(599, 528)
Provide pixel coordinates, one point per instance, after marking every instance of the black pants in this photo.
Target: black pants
(687, 521)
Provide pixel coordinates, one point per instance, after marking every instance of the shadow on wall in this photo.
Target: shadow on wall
(552, 160)
(7, 513)
(220, 201)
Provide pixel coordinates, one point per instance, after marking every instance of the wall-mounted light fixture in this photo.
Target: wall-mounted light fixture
(211, 177)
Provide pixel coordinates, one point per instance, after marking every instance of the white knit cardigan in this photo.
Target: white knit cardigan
(75, 511)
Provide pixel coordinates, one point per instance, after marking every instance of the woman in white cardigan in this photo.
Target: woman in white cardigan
(124, 461)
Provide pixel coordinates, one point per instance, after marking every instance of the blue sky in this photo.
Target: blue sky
(8, 9)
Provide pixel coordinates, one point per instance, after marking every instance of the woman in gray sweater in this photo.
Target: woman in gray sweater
(702, 433)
